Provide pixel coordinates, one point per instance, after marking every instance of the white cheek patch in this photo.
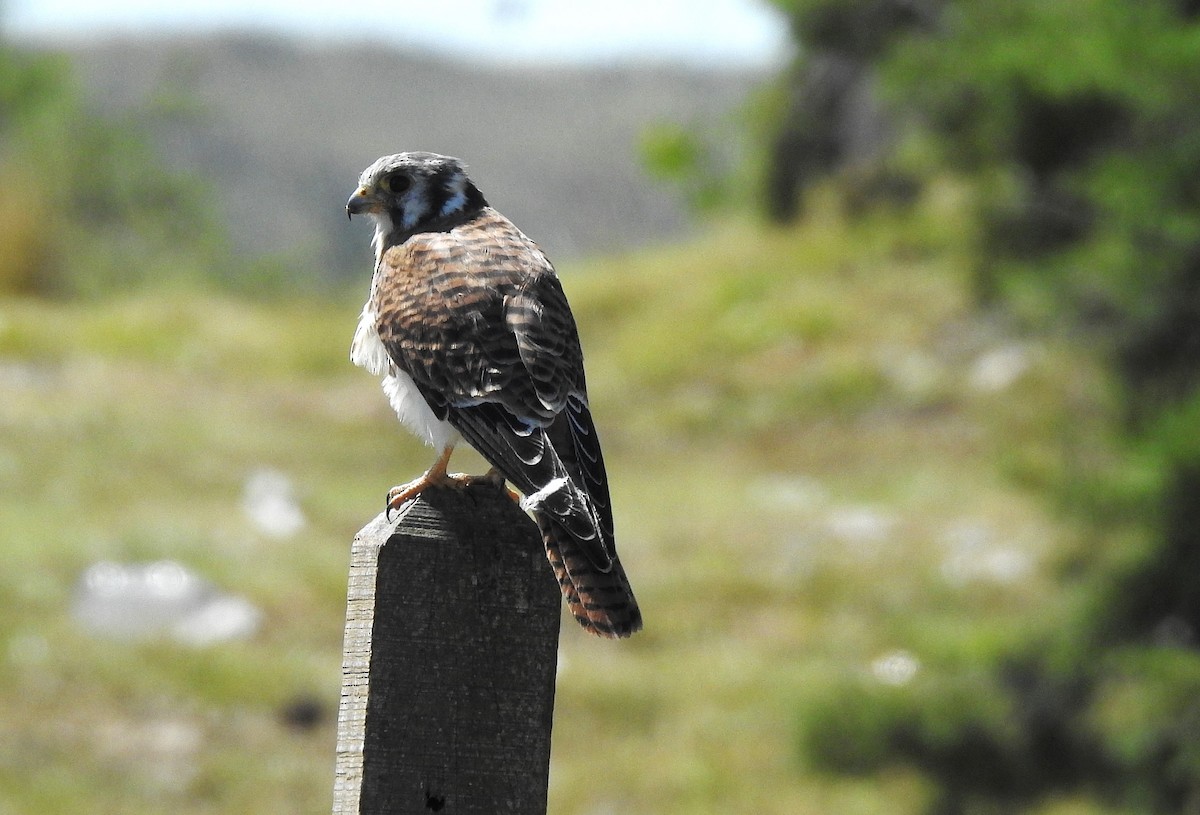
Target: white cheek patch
(458, 197)
(416, 206)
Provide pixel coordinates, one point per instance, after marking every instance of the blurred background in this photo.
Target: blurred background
(892, 317)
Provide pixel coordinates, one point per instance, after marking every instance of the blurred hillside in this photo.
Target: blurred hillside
(906, 481)
(828, 474)
(281, 131)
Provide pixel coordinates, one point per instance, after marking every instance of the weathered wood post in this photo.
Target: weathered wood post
(449, 658)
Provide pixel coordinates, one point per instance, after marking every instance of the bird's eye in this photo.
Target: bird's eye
(397, 183)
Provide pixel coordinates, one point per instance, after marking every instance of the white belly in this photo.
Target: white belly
(367, 351)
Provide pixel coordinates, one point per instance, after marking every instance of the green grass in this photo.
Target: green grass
(797, 459)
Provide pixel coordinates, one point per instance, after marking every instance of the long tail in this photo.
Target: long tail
(601, 602)
(575, 523)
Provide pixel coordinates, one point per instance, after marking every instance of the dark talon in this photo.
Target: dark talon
(388, 509)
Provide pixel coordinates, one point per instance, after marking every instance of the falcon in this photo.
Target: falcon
(469, 328)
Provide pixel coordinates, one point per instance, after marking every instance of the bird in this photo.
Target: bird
(469, 328)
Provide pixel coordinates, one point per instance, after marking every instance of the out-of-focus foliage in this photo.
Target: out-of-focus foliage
(1074, 124)
(830, 117)
(675, 154)
(703, 160)
(1079, 121)
(85, 206)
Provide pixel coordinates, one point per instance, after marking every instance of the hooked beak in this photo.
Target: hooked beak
(361, 201)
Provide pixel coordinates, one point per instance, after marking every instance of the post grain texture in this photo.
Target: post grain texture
(449, 658)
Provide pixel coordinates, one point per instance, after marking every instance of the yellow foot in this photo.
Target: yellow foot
(399, 495)
(438, 477)
(493, 477)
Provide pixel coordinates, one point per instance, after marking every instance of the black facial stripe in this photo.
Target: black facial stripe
(438, 190)
(475, 198)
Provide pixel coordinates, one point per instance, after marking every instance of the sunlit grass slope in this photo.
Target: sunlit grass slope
(826, 468)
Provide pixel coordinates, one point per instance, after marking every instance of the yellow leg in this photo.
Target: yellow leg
(494, 476)
(437, 476)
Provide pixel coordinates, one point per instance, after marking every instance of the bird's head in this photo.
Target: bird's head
(407, 191)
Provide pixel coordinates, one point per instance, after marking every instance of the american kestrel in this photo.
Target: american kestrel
(468, 325)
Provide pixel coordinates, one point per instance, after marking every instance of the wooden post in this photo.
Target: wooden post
(449, 658)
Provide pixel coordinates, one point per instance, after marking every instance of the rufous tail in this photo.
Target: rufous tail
(601, 602)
